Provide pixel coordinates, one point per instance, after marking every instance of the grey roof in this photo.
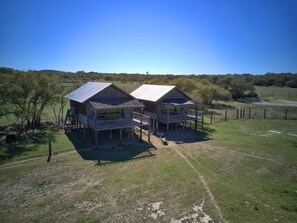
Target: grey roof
(151, 92)
(86, 91)
(116, 103)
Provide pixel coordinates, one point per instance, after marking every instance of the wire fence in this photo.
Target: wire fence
(259, 112)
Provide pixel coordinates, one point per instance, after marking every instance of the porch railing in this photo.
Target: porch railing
(176, 117)
(135, 120)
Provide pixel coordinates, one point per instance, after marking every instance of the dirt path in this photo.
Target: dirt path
(202, 179)
(36, 158)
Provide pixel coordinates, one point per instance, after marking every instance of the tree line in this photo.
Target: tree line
(27, 93)
(267, 79)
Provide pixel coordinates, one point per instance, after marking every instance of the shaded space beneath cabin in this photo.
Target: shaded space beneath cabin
(111, 150)
(178, 135)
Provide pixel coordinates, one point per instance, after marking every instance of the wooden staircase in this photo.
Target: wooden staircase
(70, 121)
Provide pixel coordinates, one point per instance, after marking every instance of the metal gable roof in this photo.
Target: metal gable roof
(151, 92)
(86, 91)
(116, 103)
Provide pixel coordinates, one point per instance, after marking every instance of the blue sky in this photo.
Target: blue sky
(159, 36)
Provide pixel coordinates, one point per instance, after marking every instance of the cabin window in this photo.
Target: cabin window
(173, 110)
(110, 113)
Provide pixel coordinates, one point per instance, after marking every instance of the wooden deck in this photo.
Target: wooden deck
(136, 120)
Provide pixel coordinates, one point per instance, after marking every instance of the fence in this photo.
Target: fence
(259, 112)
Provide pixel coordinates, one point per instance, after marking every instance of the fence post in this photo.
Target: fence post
(202, 120)
(236, 113)
(249, 112)
(225, 115)
(243, 112)
(240, 112)
(264, 113)
(286, 114)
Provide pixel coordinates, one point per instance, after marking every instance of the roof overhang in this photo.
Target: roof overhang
(178, 102)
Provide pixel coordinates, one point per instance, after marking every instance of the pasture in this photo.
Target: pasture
(284, 93)
(236, 171)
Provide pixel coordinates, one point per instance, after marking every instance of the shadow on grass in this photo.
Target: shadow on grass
(188, 136)
(111, 151)
(24, 142)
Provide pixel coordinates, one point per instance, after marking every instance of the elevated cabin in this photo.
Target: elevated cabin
(166, 104)
(104, 107)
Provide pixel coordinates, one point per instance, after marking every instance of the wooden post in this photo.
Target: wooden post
(49, 148)
(196, 116)
(95, 119)
(249, 112)
(202, 121)
(121, 135)
(243, 113)
(225, 115)
(236, 113)
(167, 119)
(264, 113)
(149, 133)
(140, 134)
(141, 115)
(240, 112)
(286, 114)
(96, 139)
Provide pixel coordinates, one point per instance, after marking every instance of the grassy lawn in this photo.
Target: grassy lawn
(277, 92)
(28, 146)
(251, 168)
(248, 165)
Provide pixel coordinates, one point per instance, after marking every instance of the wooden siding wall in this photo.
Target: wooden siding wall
(110, 93)
(175, 94)
(150, 106)
(73, 104)
(80, 107)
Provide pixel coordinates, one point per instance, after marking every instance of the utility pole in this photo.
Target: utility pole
(147, 77)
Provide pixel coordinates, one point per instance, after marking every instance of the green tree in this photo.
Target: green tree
(28, 94)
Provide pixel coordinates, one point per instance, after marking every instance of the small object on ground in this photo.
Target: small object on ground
(164, 141)
(10, 138)
(160, 133)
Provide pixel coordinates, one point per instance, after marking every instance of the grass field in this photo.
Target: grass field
(277, 92)
(245, 171)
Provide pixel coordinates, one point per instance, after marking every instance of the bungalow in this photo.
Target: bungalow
(166, 104)
(104, 107)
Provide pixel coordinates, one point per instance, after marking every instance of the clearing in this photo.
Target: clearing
(230, 173)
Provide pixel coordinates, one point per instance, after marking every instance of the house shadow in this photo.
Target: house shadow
(110, 151)
(186, 136)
